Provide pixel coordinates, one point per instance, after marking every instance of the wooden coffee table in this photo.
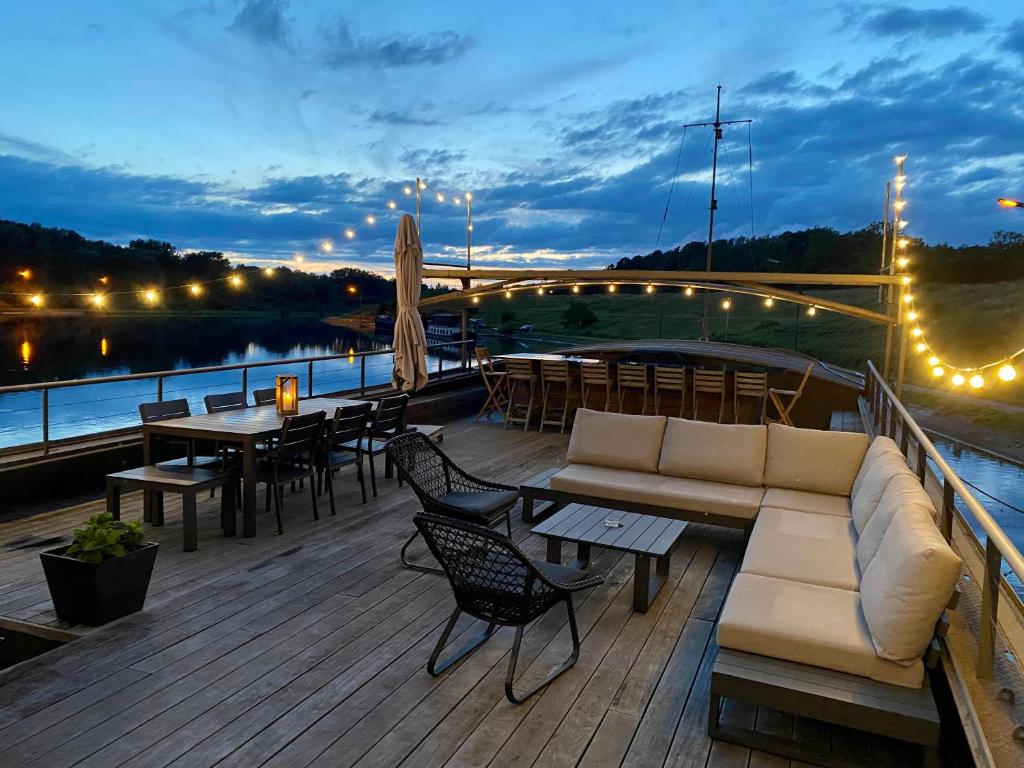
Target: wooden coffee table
(645, 536)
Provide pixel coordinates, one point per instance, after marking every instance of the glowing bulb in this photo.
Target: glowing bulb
(611, 288)
(976, 381)
(195, 289)
(508, 294)
(407, 190)
(912, 315)
(25, 274)
(903, 242)
(352, 290)
(468, 195)
(299, 258)
(326, 246)
(902, 262)
(812, 311)
(938, 371)
(423, 184)
(575, 289)
(906, 279)
(26, 352)
(105, 280)
(104, 346)
(727, 304)
(456, 201)
(688, 291)
(901, 223)
(476, 299)
(1007, 373)
(440, 197)
(900, 159)
(371, 219)
(36, 299)
(98, 299)
(899, 205)
(958, 379)
(392, 204)
(150, 296)
(907, 298)
(540, 291)
(916, 332)
(268, 271)
(933, 360)
(236, 281)
(769, 302)
(350, 233)
(469, 227)
(650, 288)
(921, 347)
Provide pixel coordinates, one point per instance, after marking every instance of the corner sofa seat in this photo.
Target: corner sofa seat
(702, 496)
(807, 501)
(808, 624)
(804, 547)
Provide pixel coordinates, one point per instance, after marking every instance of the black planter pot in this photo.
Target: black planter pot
(95, 593)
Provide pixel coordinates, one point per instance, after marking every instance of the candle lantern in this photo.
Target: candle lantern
(286, 395)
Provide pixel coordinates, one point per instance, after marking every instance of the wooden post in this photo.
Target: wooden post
(948, 510)
(904, 340)
(987, 630)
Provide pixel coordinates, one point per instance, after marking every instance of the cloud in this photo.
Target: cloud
(1014, 39)
(394, 117)
(346, 49)
(927, 23)
(431, 161)
(263, 22)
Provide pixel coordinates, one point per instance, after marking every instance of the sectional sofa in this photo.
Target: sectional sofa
(845, 568)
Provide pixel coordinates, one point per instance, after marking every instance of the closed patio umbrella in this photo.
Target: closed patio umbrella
(410, 343)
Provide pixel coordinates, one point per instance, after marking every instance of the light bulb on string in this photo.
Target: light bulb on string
(326, 246)
(912, 315)
(933, 360)
(236, 281)
(688, 291)
(36, 300)
(150, 296)
(371, 219)
(650, 288)
(540, 291)
(916, 332)
(440, 197)
(392, 204)
(407, 190)
(508, 294)
(769, 302)
(958, 380)
(976, 381)
(902, 262)
(98, 300)
(938, 371)
(726, 304)
(611, 288)
(921, 347)
(350, 233)
(456, 201)
(423, 185)
(1007, 373)
(476, 299)
(575, 289)
(268, 271)
(812, 310)
(195, 289)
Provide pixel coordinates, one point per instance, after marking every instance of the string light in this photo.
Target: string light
(958, 379)
(392, 205)
(611, 288)
(36, 300)
(350, 233)
(812, 310)
(902, 262)
(650, 288)
(933, 360)
(476, 299)
(236, 281)
(440, 197)
(1007, 373)
(976, 381)
(327, 246)
(726, 304)
(195, 289)
(407, 190)
(575, 289)
(540, 291)
(371, 219)
(921, 347)
(688, 291)
(769, 302)
(98, 299)
(938, 371)
(508, 294)
(150, 296)
(268, 271)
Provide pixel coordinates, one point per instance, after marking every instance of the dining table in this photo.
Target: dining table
(244, 427)
(547, 357)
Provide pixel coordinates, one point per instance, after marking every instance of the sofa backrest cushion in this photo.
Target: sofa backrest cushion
(865, 497)
(903, 494)
(879, 446)
(617, 440)
(907, 586)
(725, 453)
(813, 459)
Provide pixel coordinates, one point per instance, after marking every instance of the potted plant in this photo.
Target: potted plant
(103, 575)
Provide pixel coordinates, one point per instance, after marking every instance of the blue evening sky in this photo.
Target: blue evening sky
(263, 127)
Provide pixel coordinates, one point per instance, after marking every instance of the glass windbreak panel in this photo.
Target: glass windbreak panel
(92, 408)
(379, 369)
(21, 418)
(341, 375)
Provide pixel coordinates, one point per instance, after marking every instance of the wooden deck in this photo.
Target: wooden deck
(308, 649)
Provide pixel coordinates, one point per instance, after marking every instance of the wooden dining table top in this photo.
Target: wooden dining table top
(546, 356)
(244, 422)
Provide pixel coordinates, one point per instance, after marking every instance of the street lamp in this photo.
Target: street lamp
(1006, 202)
(353, 290)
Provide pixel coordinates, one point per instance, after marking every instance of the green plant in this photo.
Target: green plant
(103, 537)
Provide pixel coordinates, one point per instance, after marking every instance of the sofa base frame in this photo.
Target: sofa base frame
(538, 488)
(908, 714)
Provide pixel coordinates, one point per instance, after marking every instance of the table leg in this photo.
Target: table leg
(157, 511)
(527, 508)
(228, 499)
(147, 459)
(114, 500)
(188, 520)
(555, 551)
(249, 488)
(582, 560)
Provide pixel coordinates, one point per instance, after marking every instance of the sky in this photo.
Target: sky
(263, 128)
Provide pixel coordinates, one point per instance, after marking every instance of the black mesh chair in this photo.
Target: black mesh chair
(292, 458)
(494, 581)
(446, 490)
(343, 445)
(264, 396)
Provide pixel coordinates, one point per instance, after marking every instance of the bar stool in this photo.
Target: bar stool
(520, 375)
(749, 385)
(495, 381)
(669, 379)
(707, 382)
(554, 373)
(632, 377)
(595, 375)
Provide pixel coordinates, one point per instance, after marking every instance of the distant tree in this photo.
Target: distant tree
(578, 315)
(508, 316)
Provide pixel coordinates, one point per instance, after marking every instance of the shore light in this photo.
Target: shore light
(36, 300)
(25, 274)
(1006, 202)
(98, 299)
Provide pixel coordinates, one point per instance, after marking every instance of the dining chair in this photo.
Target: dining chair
(266, 396)
(343, 445)
(493, 580)
(785, 410)
(709, 382)
(749, 384)
(227, 401)
(669, 378)
(521, 377)
(632, 377)
(175, 409)
(595, 375)
(387, 421)
(555, 381)
(495, 382)
(293, 457)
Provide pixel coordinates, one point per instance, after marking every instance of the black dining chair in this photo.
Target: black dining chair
(343, 445)
(293, 457)
(175, 409)
(228, 401)
(444, 489)
(388, 420)
(494, 581)
(264, 396)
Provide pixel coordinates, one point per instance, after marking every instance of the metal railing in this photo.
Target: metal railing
(890, 417)
(160, 377)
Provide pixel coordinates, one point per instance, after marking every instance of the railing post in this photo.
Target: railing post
(245, 383)
(362, 375)
(46, 420)
(904, 438)
(922, 462)
(989, 611)
(948, 508)
(440, 365)
(309, 385)
(892, 418)
(160, 389)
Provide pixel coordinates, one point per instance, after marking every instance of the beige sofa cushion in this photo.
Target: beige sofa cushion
(616, 440)
(703, 496)
(864, 500)
(725, 453)
(807, 624)
(907, 586)
(812, 459)
(880, 445)
(803, 546)
(903, 494)
(805, 501)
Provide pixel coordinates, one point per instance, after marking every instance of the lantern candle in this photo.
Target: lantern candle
(286, 391)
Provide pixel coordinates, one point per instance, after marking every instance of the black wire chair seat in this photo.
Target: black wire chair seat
(443, 488)
(495, 581)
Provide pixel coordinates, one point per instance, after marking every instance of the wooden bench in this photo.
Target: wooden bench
(188, 481)
(908, 714)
